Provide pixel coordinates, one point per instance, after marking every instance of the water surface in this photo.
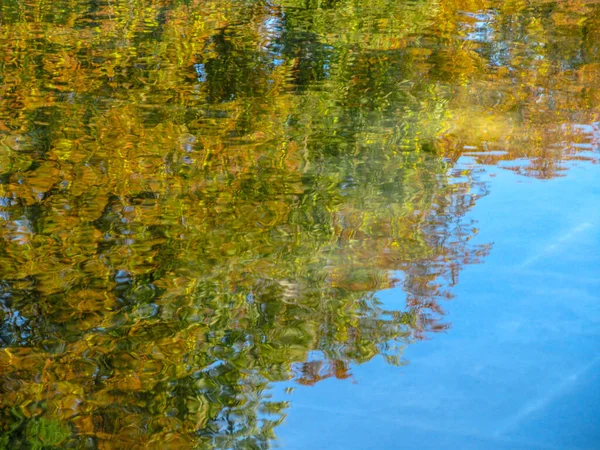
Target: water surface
(216, 215)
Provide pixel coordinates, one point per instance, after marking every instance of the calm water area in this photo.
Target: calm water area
(299, 224)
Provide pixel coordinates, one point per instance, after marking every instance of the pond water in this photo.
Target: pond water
(302, 224)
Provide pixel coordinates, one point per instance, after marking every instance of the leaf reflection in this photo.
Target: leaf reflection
(198, 199)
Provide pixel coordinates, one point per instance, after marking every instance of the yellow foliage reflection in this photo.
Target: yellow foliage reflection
(199, 198)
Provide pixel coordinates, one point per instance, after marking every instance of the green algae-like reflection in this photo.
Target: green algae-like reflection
(197, 197)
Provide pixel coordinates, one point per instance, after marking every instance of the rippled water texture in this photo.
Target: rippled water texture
(200, 199)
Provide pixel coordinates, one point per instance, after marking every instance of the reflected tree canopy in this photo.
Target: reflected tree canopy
(201, 198)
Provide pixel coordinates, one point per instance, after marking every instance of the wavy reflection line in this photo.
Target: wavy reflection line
(540, 403)
(551, 248)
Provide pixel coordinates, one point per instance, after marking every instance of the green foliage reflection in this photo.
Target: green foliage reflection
(198, 199)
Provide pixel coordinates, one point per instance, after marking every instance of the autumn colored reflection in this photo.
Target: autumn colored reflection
(198, 199)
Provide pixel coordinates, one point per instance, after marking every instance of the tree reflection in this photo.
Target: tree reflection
(199, 199)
